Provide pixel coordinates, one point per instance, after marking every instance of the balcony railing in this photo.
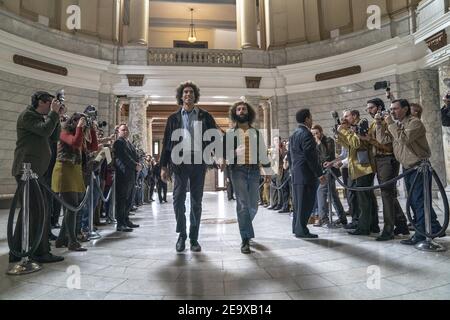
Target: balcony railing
(194, 57)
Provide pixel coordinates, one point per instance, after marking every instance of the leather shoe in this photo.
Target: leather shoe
(351, 225)
(181, 244)
(307, 236)
(411, 241)
(195, 246)
(60, 243)
(132, 225)
(283, 211)
(124, 229)
(245, 247)
(401, 231)
(76, 247)
(358, 233)
(385, 237)
(47, 258)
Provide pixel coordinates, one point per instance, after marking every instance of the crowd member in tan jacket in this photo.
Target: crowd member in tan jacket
(410, 148)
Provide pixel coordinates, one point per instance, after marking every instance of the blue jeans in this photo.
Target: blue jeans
(83, 214)
(322, 201)
(417, 203)
(246, 183)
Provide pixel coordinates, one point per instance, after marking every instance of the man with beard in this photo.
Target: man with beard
(245, 152)
(191, 168)
(387, 168)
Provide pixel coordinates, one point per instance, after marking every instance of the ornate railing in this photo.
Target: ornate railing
(194, 57)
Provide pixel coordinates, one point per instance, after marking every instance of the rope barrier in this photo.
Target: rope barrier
(64, 203)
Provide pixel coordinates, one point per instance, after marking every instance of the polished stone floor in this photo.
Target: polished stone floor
(144, 265)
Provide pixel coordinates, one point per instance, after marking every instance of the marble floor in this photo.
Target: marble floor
(144, 264)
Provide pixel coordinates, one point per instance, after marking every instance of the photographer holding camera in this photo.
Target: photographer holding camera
(36, 125)
(67, 178)
(350, 134)
(410, 148)
(387, 168)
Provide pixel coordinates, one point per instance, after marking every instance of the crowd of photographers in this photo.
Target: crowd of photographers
(367, 150)
(66, 152)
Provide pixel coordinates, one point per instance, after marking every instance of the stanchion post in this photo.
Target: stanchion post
(330, 225)
(428, 244)
(92, 234)
(112, 203)
(25, 266)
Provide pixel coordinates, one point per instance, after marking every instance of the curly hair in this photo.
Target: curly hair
(184, 85)
(251, 112)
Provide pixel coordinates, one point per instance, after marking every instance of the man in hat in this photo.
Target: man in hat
(36, 126)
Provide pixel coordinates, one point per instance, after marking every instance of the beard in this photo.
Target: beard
(243, 118)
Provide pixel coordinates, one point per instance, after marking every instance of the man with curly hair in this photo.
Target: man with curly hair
(192, 122)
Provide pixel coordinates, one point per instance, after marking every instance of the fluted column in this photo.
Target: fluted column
(139, 22)
(247, 23)
(150, 136)
(265, 105)
(428, 81)
(137, 121)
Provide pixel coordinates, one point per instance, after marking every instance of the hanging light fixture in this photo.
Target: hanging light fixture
(192, 37)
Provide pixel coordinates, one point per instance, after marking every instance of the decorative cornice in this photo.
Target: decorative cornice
(437, 41)
(338, 73)
(135, 80)
(39, 65)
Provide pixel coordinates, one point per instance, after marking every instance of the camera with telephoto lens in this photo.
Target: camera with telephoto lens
(61, 97)
(91, 116)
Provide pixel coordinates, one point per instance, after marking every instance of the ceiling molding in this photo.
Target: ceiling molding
(184, 23)
(233, 2)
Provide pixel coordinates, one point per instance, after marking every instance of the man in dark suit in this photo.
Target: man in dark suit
(306, 172)
(127, 165)
(190, 167)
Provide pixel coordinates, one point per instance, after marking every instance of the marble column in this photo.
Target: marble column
(428, 85)
(150, 136)
(444, 73)
(247, 23)
(139, 22)
(265, 105)
(137, 121)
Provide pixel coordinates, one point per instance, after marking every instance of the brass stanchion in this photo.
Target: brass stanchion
(26, 266)
(92, 234)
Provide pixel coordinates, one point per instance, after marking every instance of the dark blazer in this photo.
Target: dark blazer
(126, 158)
(303, 157)
(33, 135)
(175, 122)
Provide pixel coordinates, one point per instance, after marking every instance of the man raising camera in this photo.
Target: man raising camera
(410, 148)
(387, 168)
(36, 125)
(361, 170)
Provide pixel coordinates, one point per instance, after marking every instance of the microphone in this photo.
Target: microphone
(335, 115)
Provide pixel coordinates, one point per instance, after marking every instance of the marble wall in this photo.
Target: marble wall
(15, 95)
